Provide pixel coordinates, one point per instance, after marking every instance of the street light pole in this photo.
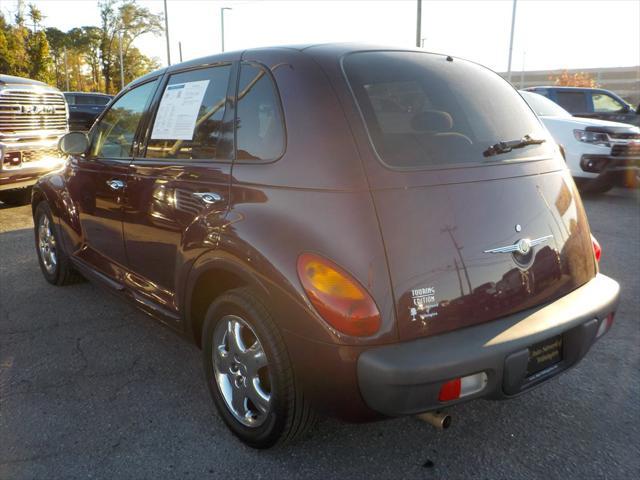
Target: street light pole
(121, 63)
(166, 32)
(180, 50)
(513, 27)
(419, 24)
(222, 25)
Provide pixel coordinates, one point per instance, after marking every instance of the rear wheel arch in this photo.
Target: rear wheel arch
(208, 280)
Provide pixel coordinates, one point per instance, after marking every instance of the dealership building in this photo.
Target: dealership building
(625, 81)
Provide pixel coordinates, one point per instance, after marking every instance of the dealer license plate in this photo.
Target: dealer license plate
(544, 354)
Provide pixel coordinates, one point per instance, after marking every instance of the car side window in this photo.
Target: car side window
(259, 123)
(84, 100)
(71, 99)
(189, 117)
(113, 135)
(605, 103)
(574, 102)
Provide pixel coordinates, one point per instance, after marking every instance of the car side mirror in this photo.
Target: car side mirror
(74, 143)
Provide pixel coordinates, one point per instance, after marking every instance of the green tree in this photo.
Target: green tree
(92, 54)
(39, 59)
(35, 15)
(121, 23)
(88, 56)
(17, 42)
(5, 54)
(57, 43)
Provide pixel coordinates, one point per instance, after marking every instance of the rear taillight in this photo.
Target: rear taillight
(462, 387)
(597, 249)
(338, 298)
(450, 390)
(605, 325)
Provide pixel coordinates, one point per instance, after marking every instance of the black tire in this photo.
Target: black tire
(595, 186)
(289, 415)
(17, 197)
(62, 272)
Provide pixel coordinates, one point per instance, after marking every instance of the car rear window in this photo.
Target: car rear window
(424, 110)
(543, 106)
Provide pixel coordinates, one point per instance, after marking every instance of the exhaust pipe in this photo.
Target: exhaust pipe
(439, 420)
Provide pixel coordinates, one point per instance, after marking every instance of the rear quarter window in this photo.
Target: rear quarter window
(259, 123)
(423, 110)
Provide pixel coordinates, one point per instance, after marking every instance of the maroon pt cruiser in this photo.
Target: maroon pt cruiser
(356, 231)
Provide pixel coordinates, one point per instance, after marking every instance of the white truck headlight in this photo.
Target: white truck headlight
(596, 138)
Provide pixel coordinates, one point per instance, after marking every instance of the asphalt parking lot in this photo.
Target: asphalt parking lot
(91, 388)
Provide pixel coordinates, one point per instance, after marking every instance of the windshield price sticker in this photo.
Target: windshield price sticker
(178, 111)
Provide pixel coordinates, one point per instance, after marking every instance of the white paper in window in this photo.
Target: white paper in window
(178, 111)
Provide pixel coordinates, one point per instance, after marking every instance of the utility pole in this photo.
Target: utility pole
(455, 264)
(121, 64)
(450, 231)
(180, 50)
(166, 32)
(222, 25)
(419, 24)
(513, 27)
(66, 70)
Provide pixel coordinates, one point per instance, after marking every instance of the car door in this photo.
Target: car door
(606, 107)
(178, 188)
(97, 182)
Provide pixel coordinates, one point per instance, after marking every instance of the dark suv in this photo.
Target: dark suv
(84, 108)
(366, 233)
(591, 103)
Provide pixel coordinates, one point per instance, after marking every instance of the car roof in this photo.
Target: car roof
(97, 94)
(336, 50)
(564, 87)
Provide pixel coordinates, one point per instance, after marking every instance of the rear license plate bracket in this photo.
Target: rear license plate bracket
(544, 354)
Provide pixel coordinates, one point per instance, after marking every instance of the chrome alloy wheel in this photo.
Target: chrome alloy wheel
(241, 370)
(47, 245)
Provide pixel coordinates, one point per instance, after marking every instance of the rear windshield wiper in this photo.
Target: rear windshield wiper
(505, 147)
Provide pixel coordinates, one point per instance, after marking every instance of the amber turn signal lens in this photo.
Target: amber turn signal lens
(597, 249)
(339, 299)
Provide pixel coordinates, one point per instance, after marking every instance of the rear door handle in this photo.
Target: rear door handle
(208, 197)
(115, 184)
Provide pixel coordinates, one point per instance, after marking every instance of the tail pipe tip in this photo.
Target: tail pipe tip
(439, 420)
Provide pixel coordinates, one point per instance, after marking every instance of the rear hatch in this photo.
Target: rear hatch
(472, 233)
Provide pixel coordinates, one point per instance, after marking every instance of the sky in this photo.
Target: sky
(548, 34)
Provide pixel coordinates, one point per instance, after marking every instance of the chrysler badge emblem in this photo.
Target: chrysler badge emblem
(522, 246)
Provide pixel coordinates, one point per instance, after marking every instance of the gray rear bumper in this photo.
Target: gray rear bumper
(405, 378)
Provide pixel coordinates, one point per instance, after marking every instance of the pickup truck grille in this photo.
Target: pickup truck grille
(625, 136)
(628, 150)
(28, 113)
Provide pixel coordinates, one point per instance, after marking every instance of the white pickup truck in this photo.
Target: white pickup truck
(599, 153)
(33, 116)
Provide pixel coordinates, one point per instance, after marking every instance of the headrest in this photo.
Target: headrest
(432, 121)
